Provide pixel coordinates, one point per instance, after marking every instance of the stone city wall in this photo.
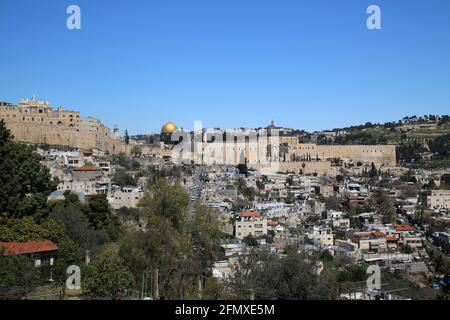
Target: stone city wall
(59, 127)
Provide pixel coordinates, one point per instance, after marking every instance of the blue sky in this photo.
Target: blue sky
(230, 63)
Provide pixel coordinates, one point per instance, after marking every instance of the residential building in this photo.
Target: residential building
(374, 241)
(321, 235)
(250, 223)
(39, 252)
(436, 199)
(126, 197)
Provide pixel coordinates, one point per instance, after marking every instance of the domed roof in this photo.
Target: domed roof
(168, 127)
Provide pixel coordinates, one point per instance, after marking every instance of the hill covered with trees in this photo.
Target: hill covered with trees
(421, 141)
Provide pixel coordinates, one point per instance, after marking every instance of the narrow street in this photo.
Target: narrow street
(197, 191)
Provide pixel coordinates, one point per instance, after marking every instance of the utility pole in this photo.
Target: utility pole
(156, 285)
(252, 294)
(142, 285)
(145, 283)
(200, 287)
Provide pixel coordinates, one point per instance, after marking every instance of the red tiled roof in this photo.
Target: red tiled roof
(378, 234)
(368, 234)
(27, 247)
(362, 234)
(391, 238)
(404, 227)
(87, 168)
(250, 214)
(272, 222)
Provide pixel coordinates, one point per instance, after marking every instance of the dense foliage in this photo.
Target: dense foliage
(294, 276)
(181, 247)
(25, 183)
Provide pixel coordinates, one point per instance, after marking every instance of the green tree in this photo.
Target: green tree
(127, 137)
(167, 200)
(240, 184)
(68, 252)
(71, 198)
(25, 183)
(373, 171)
(440, 146)
(179, 246)
(352, 273)
(131, 214)
(259, 185)
(406, 249)
(5, 134)
(206, 235)
(78, 228)
(123, 178)
(445, 181)
(17, 276)
(250, 241)
(388, 212)
(108, 276)
(242, 168)
(269, 276)
(164, 244)
(430, 185)
(241, 204)
(101, 217)
(26, 229)
(248, 192)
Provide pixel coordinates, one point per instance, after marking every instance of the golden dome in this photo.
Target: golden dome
(168, 127)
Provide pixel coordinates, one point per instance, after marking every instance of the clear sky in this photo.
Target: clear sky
(230, 63)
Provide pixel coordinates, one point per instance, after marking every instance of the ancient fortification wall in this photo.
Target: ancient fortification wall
(36, 122)
(55, 135)
(378, 154)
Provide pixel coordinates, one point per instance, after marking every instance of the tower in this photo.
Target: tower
(116, 131)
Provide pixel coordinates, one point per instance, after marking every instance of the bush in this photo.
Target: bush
(250, 241)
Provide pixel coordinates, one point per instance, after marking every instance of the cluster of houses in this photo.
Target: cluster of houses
(85, 174)
(292, 209)
(271, 210)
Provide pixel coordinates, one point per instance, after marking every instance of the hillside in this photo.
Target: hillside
(408, 129)
(422, 142)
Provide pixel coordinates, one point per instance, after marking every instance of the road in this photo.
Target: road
(435, 249)
(197, 191)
